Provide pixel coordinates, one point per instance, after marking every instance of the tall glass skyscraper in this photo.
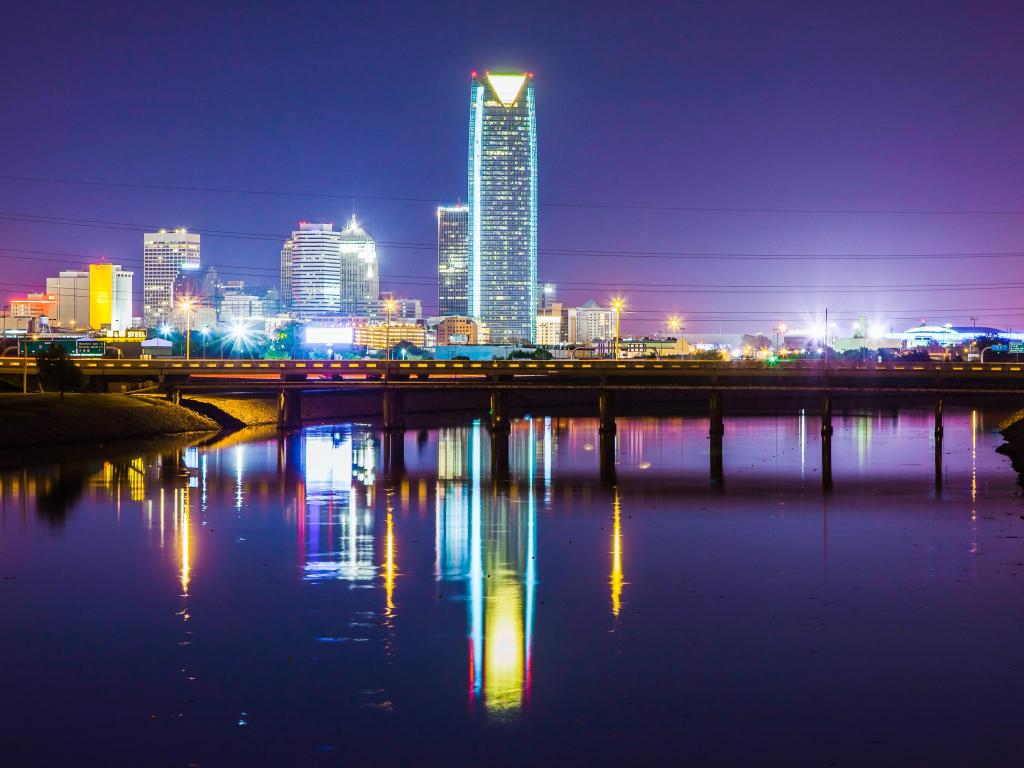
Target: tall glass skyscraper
(503, 205)
(164, 256)
(453, 260)
(360, 279)
(314, 270)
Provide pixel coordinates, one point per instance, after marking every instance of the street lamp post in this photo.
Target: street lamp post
(617, 305)
(187, 306)
(206, 335)
(389, 307)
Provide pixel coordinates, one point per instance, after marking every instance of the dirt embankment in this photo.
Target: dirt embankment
(1013, 430)
(45, 419)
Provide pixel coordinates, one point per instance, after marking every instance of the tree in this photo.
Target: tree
(286, 343)
(58, 371)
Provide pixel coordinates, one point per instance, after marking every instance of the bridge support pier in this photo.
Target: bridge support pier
(174, 395)
(499, 454)
(606, 411)
(716, 429)
(607, 456)
(826, 441)
(394, 410)
(499, 411)
(393, 450)
(938, 442)
(289, 409)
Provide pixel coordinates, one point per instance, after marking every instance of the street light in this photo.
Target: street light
(389, 307)
(617, 305)
(205, 333)
(187, 303)
(239, 334)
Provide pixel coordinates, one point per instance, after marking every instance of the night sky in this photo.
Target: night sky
(645, 112)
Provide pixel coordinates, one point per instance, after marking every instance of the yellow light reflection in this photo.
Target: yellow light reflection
(616, 578)
(185, 531)
(503, 652)
(389, 565)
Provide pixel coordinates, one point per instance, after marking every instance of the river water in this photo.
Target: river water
(317, 601)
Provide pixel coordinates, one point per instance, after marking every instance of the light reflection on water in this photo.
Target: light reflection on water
(420, 574)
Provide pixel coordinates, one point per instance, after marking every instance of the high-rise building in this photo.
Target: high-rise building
(503, 205)
(406, 309)
(453, 260)
(110, 297)
(286, 274)
(360, 280)
(314, 259)
(594, 323)
(165, 255)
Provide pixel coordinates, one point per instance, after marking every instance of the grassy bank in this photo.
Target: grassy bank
(44, 419)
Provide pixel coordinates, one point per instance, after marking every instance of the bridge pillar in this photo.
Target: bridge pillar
(938, 442)
(289, 409)
(716, 430)
(499, 454)
(499, 411)
(607, 456)
(393, 450)
(174, 395)
(394, 410)
(606, 411)
(826, 442)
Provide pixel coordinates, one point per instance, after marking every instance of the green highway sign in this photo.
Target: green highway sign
(89, 348)
(1016, 347)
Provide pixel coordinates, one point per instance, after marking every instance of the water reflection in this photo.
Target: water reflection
(486, 537)
(423, 577)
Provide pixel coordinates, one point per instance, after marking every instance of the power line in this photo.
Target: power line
(553, 204)
(593, 253)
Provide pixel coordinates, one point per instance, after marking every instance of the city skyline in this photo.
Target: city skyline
(737, 162)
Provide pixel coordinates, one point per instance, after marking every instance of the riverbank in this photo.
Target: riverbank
(45, 419)
(1012, 431)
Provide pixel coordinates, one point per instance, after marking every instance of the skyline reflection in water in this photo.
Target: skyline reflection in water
(374, 589)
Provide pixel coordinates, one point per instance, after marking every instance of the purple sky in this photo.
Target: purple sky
(732, 105)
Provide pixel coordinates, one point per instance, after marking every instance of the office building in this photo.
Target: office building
(459, 329)
(35, 305)
(401, 309)
(71, 287)
(360, 280)
(241, 307)
(110, 297)
(453, 260)
(286, 275)
(592, 323)
(314, 270)
(377, 336)
(165, 256)
(549, 329)
(502, 271)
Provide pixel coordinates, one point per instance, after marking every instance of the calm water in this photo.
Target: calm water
(303, 602)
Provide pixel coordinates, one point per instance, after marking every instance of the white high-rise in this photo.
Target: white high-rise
(71, 287)
(313, 256)
(360, 280)
(165, 255)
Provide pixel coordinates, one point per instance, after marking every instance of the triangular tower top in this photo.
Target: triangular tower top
(506, 87)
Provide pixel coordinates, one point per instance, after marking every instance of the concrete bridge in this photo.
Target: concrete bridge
(289, 380)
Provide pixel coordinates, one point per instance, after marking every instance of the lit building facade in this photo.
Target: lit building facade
(286, 275)
(110, 297)
(502, 273)
(457, 329)
(453, 260)
(549, 329)
(360, 279)
(377, 336)
(165, 255)
(35, 305)
(314, 269)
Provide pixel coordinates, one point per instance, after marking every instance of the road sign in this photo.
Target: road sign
(999, 348)
(1016, 347)
(89, 348)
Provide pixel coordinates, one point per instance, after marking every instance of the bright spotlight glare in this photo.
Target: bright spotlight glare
(877, 331)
